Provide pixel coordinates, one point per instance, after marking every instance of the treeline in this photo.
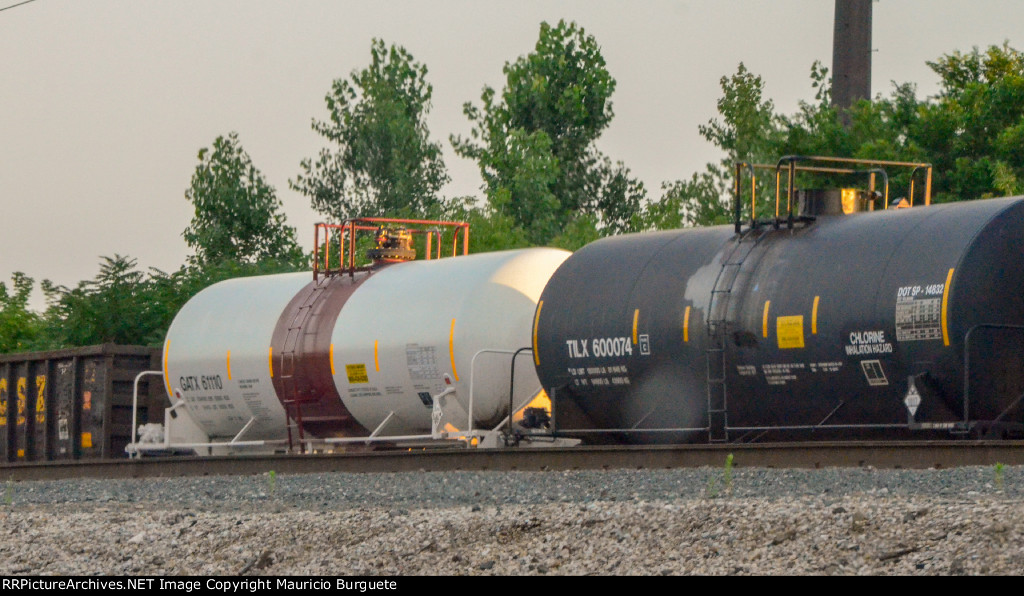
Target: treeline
(545, 181)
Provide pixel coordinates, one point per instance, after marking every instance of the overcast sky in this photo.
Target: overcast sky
(104, 104)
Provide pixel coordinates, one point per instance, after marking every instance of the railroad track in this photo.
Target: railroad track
(910, 455)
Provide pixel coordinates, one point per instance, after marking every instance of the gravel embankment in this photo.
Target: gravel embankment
(621, 522)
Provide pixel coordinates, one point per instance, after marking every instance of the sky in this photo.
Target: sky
(105, 104)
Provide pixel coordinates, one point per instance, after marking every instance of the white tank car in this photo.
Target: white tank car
(350, 354)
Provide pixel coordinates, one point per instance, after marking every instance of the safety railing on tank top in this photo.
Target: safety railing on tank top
(434, 233)
(789, 162)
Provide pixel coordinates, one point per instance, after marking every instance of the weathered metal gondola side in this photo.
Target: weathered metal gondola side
(74, 403)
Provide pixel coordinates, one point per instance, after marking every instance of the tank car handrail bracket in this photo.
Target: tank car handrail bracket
(916, 167)
(135, 410)
(790, 186)
(380, 427)
(507, 420)
(791, 164)
(885, 179)
(238, 437)
(740, 166)
(347, 230)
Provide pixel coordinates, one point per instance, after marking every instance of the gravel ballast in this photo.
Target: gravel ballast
(856, 521)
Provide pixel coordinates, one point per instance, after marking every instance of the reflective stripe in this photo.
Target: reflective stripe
(686, 325)
(167, 378)
(536, 320)
(945, 302)
(814, 316)
(451, 349)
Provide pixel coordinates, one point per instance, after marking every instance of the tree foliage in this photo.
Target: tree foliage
(535, 143)
(975, 131)
(20, 327)
(124, 305)
(237, 214)
(382, 162)
(116, 306)
(237, 230)
(972, 133)
(545, 181)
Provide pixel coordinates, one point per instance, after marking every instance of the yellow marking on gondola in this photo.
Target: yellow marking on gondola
(376, 359)
(270, 361)
(945, 303)
(814, 316)
(764, 319)
(536, 320)
(451, 349)
(229, 365)
(686, 324)
(636, 317)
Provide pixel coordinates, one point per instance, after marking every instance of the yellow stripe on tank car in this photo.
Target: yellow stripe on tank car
(814, 316)
(686, 324)
(332, 360)
(636, 317)
(451, 349)
(229, 365)
(764, 319)
(270, 361)
(167, 378)
(376, 359)
(536, 320)
(945, 302)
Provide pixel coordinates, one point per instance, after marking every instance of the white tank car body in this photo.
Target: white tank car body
(397, 336)
(229, 326)
(411, 324)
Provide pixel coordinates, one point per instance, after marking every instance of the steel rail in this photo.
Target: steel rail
(890, 454)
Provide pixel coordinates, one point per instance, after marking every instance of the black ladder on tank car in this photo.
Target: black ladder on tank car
(718, 330)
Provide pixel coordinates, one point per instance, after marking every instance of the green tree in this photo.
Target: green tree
(124, 305)
(974, 132)
(383, 162)
(116, 306)
(971, 132)
(535, 143)
(490, 230)
(748, 131)
(20, 327)
(237, 214)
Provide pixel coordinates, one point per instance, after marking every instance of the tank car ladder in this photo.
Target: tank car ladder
(291, 400)
(717, 328)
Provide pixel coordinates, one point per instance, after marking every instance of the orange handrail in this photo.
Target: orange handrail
(353, 225)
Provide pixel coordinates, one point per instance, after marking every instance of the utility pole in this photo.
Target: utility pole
(851, 53)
